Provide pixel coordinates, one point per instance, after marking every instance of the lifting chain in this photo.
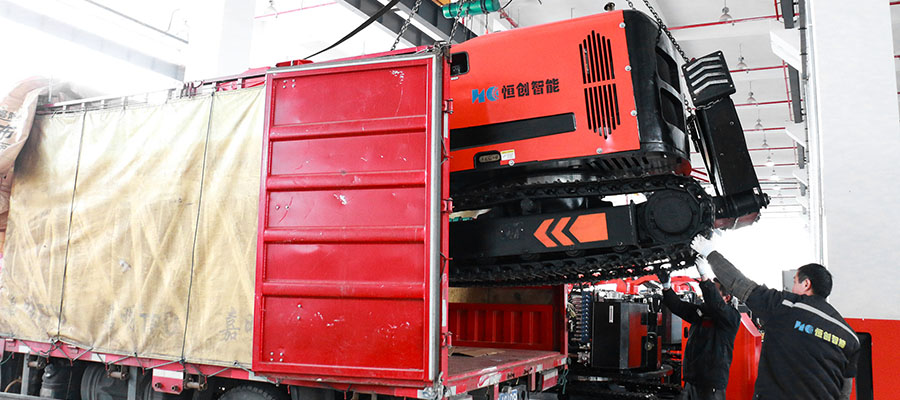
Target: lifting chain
(665, 29)
(415, 10)
(459, 16)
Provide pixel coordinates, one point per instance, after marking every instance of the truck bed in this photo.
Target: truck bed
(467, 373)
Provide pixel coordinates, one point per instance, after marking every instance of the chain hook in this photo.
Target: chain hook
(406, 23)
(461, 12)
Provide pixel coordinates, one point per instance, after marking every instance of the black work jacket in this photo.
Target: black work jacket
(714, 325)
(808, 350)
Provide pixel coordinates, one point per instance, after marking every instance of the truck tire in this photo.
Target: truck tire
(254, 392)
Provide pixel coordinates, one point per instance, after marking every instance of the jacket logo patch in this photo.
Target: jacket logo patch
(821, 334)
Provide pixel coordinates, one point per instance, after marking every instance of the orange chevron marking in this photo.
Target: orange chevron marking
(558, 232)
(590, 228)
(541, 233)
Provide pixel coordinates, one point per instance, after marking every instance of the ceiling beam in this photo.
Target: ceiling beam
(758, 74)
(759, 26)
(65, 31)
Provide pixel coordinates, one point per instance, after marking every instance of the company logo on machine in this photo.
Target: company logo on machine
(521, 89)
(490, 94)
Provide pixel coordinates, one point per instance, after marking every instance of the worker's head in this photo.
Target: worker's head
(812, 279)
(722, 291)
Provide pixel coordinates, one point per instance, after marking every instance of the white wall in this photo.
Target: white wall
(220, 35)
(854, 142)
(765, 249)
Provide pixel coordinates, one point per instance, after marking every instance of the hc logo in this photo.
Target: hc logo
(491, 94)
(803, 327)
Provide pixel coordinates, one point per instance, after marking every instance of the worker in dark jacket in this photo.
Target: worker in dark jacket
(714, 324)
(809, 351)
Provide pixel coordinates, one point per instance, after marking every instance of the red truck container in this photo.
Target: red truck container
(351, 277)
(355, 183)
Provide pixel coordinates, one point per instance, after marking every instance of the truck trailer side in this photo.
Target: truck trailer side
(134, 232)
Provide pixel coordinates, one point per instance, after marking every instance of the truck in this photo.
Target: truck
(384, 225)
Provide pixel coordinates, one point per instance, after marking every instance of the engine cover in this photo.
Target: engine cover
(599, 93)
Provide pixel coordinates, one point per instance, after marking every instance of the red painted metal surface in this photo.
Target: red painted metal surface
(632, 285)
(511, 326)
(75, 353)
(744, 361)
(347, 209)
(885, 356)
(496, 61)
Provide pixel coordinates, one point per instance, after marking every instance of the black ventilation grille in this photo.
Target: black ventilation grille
(602, 104)
(596, 59)
(708, 79)
(601, 100)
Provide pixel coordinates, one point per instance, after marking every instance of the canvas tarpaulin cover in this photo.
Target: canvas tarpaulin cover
(16, 115)
(133, 230)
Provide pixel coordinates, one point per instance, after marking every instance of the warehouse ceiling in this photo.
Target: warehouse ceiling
(159, 34)
(766, 117)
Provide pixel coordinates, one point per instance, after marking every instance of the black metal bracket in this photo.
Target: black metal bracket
(429, 14)
(721, 142)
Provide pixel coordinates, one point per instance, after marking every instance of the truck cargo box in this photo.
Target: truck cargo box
(145, 234)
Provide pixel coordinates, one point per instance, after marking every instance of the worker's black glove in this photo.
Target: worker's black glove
(663, 276)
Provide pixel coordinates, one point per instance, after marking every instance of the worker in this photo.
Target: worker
(809, 351)
(714, 325)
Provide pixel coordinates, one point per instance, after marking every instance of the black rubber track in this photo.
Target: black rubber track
(587, 268)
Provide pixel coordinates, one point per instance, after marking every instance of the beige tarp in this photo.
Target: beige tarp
(16, 116)
(159, 259)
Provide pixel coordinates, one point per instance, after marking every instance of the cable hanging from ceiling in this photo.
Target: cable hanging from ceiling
(741, 65)
(750, 98)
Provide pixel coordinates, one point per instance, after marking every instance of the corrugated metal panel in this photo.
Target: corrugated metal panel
(347, 276)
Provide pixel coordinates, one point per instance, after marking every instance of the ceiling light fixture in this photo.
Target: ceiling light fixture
(271, 8)
(759, 125)
(774, 177)
(726, 17)
(769, 162)
(750, 98)
(741, 64)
